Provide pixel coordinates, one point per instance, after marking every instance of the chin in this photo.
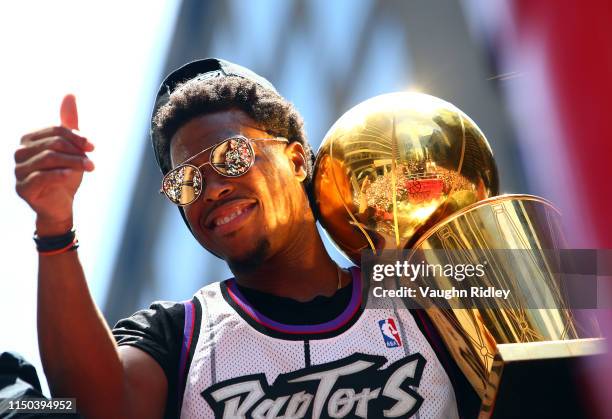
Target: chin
(251, 259)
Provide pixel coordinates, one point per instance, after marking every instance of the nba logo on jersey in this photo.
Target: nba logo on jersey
(390, 333)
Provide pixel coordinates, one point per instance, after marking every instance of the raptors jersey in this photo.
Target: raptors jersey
(372, 361)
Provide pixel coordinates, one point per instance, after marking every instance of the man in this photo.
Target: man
(291, 335)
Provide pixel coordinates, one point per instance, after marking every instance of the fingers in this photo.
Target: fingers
(68, 112)
(51, 143)
(51, 159)
(50, 164)
(36, 180)
(64, 132)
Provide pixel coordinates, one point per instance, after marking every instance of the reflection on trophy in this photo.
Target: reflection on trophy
(393, 166)
(411, 171)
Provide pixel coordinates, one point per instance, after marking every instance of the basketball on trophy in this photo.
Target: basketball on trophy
(395, 165)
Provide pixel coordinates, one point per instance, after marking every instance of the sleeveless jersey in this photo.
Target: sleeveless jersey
(372, 361)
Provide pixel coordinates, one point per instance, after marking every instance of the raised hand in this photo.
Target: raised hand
(49, 169)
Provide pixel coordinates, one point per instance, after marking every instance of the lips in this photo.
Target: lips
(230, 215)
(224, 220)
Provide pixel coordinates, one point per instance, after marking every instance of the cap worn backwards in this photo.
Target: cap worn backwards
(203, 69)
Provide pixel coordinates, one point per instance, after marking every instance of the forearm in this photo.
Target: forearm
(77, 348)
(78, 351)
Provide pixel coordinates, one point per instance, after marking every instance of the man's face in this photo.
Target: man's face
(246, 219)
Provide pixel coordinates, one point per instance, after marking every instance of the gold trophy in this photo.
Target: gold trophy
(408, 171)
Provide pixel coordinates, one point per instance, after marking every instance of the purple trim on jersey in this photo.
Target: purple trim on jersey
(187, 339)
(329, 326)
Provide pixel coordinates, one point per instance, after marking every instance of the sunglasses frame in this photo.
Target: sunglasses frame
(212, 148)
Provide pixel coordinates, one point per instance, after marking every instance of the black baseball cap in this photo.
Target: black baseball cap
(203, 69)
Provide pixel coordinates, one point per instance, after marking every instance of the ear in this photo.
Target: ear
(297, 159)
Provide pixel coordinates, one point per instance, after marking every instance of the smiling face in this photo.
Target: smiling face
(245, 219)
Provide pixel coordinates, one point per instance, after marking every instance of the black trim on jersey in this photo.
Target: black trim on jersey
(291, 336)
(468, 401)
(307, 353)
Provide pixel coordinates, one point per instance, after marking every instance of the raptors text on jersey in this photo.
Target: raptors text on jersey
(355, 386)
(372, 361)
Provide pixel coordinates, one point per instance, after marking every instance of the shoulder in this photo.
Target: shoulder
(167, 313)
(162, 325)
(160, 318)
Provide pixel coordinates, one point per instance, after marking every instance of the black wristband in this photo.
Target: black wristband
(53, 243)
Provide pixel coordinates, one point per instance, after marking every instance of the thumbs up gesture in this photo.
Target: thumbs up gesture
(49, 169)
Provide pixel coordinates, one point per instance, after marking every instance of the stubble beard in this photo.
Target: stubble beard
(253, 260)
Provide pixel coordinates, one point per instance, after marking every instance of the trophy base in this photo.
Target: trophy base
(539, 379)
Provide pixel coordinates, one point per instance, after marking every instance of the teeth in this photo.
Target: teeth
(220, 221)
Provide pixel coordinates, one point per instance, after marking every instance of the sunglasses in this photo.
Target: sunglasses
(232, 157)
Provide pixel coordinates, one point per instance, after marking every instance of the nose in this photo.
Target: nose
(217, 187)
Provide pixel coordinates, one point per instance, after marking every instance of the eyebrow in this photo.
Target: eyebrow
(224, 138)
(282, 139)
(202, 152)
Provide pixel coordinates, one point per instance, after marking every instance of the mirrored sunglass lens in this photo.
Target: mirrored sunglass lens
(183, 185)
(233, 157)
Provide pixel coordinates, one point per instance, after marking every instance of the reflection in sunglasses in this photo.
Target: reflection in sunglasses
(232, 157)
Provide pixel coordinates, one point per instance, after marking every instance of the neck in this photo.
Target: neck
(301, 271)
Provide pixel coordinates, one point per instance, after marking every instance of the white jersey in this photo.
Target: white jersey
(372, 361)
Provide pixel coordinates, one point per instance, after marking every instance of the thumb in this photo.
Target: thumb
(68, 112)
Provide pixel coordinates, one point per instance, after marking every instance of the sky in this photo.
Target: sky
(110, 55)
